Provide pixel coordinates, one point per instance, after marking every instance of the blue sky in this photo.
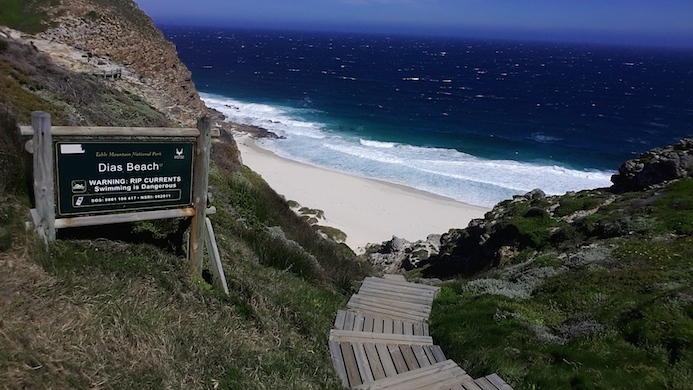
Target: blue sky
(649, 22)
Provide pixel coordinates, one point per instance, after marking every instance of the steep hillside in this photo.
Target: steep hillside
(31, 80)
(118, 34)
(114, 306)
(588, 290)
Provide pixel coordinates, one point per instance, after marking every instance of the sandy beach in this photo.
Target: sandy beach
(368, 211)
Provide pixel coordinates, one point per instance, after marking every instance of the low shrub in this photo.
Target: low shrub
(533, 228)
(674, 209)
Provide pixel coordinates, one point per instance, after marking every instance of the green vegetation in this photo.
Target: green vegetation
(32, 16)
(24, 15)
(115, 306)
(593, 290)
(93, 16)
(583, 201)
(532, 228)
(12, 163)
(32, 82)
(332, 233)
(607, 306)
(308, 211)
(675, 208)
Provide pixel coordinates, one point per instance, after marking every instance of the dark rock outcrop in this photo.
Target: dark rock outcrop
(399, 254)
(655, 167)
(531, 223)
(484, 241)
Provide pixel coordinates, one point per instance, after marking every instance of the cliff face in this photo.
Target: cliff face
(118, 32)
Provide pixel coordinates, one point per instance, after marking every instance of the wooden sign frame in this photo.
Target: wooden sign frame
(44, 215)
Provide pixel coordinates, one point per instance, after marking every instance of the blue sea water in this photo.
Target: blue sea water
(478, 121)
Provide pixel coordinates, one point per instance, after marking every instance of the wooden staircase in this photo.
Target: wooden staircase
(382, 342)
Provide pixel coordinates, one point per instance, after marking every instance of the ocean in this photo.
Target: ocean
(474, 120)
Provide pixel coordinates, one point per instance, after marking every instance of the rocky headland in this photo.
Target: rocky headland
(523, 227)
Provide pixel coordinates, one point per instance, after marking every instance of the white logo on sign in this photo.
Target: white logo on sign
(79, 186)
(71, 149)
(179, 154)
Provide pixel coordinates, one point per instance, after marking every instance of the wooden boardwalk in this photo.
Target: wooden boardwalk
(381, 341)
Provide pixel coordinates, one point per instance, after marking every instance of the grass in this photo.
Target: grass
(35, 83)
(115, 306)
(17, 96)
(332, 233)
(24, 15)
(585, 200)
(111, 314)
(12, 161)
(117, 312)
(675, 208)
(616, 313)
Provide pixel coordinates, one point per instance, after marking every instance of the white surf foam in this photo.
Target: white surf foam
(446, 172)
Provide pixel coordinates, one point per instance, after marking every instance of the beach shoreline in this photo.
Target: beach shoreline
(367, 210)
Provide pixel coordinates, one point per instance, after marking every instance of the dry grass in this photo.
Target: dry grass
(72, 323)
(118, 311)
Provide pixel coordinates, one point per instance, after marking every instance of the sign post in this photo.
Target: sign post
(44, 195)
(201, 183)
(105, 175)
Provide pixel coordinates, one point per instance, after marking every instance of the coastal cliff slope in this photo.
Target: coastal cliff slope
(586, 290)
(116, 34)
(115, 306)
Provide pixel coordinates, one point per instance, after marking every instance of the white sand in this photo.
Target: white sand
(368, 211)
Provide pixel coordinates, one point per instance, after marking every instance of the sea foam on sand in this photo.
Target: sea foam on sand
(367, 210)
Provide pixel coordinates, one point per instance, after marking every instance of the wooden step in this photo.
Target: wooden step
(467, 386)
(360, 363)
(405, 284)
(390, 302)
(389, 309)
(393, 285)
(492, 382)
(382, 338)
(382, 341)
(442, 375)
(413, 298)
(378, 324)
(405, 293)
(385, 312)
(338, 362)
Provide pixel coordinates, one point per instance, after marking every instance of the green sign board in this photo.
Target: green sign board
(96, 177)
